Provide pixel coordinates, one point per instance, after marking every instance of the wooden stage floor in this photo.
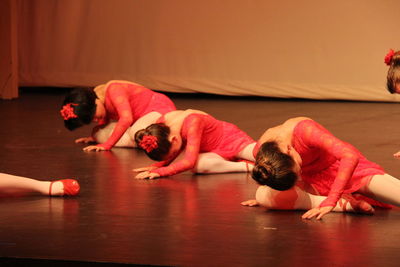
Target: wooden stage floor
(187, 219)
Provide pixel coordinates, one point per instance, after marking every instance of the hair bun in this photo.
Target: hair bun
(261, 173)
(139, 135)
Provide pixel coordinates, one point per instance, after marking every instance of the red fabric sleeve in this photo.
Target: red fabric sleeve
(120, 100)
(163, 163)
(193, 128)
(315, 135)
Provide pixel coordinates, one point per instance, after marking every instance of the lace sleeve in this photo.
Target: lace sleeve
(315, 135)
(120, 101)
(193, 128)
(163, 163)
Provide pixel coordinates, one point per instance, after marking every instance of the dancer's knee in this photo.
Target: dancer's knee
(274, 199)
(265, 197)
(207, 163)
(205, 166)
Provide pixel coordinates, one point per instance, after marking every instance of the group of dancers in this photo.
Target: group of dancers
(299, 164)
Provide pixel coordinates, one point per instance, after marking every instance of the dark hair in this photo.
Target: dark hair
(161, 132)
(393, 75)
(274, 168)
(84, 106)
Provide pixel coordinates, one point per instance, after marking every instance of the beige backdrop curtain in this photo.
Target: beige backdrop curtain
(8, 49)
(308, 49)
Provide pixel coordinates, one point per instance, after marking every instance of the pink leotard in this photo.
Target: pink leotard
(203, 133)
(126, 102)
(331, 166)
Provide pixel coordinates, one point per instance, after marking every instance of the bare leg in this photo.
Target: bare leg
(15, 185)
(128, 139)
(297, 199)
(384, 188)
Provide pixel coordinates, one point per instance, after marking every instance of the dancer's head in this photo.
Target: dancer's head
(79, 108)
(276, 168)
(158, 142)
(392, 59)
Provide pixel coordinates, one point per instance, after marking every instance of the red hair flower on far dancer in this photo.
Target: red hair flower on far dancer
(149, 143)
(389, 56)
(67, 112)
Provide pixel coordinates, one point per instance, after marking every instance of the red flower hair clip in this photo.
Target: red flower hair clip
(67, 112)
(389, 56)
(148, 143)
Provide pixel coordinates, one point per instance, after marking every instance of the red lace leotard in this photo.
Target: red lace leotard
(333, 167)
(203, 133)
(126, 102)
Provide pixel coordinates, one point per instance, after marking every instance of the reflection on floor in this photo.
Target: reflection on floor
(187, 219)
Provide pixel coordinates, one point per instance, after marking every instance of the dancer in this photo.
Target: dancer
(392, 59)
(122, 101)
(211, 146)
(17, 185)
(299, 160)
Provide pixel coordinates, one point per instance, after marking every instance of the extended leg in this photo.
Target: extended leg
(11, 184)
(384, 188)
(297, 199)
(15, 185)
(214, 163)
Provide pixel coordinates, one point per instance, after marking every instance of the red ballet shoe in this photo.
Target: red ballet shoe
(364, 207)
(359, 206)
(71, 187)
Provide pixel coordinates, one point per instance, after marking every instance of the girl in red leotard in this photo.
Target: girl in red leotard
(121, 101)
(392, 59)
(210, 145)
(303, 166)
(12, 185)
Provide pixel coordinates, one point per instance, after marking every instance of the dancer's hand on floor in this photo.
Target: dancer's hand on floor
(397, 155)
(319, 212)
(85, 140)
(250, 203)
(148, 168)
(147, 175)
(93, 148)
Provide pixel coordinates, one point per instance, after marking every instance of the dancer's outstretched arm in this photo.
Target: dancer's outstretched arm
(120, 101)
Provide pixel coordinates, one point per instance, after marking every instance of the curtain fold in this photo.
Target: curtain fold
(303, 49)
(8, 49)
